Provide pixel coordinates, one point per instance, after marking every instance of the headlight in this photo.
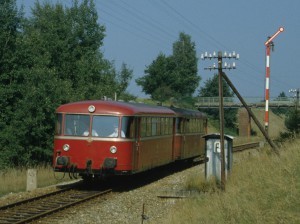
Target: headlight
(66, 147)
(92, 108)
(113, 149)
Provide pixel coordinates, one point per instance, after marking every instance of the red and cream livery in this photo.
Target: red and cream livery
(96, 138)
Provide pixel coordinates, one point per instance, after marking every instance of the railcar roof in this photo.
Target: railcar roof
(188, 113)
(114, 107)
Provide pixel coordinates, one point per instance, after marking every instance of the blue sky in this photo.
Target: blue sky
(138, 30)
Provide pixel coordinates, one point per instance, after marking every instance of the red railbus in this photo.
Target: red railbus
(98, 138)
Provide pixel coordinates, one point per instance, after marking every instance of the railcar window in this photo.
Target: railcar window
(193, 125)
(148, 132)
(170, 126)
(187, 126)
(201, 126)
(177, 125)
(165, 123)
(162, 126)
(158, 126)
(196, 125)
(154, 126)
(143, 126)
(128, 127)
(167, 126)
(58, 124)
(77, 125)
(106, 126)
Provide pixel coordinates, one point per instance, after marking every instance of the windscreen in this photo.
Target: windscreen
(77, 125)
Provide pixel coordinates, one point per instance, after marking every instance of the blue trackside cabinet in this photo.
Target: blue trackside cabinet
(213, 155)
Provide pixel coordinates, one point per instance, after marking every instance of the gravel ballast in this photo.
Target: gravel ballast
(126, 206)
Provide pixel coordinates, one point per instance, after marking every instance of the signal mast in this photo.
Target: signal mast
(269, 44)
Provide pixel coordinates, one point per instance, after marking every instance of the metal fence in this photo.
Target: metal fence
(206, 102)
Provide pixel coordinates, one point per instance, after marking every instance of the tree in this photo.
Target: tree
(10, 79)
(184, 77)
(55, 58)
(157, 78)
(292, 121)
(173, 76)
(280, 111)
(70, 39)
(211, 89)
(123, 79)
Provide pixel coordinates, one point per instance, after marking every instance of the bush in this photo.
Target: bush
(292, 122)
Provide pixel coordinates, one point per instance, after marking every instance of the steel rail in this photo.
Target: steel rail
(33, 199)
(239, 148)
(38, 207)
(35, 208)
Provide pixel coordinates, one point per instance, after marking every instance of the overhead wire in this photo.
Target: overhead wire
(214, 41)
(150, 22)
(160, 30)
(136, 31)
(193, 25)
(208, 37)
(137, 26)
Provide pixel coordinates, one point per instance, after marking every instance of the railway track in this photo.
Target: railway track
(35, 208)
(239, 148)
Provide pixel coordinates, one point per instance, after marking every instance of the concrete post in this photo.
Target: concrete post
(244, 123)
(31, 179)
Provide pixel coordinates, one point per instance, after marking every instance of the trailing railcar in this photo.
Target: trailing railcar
(98, 138)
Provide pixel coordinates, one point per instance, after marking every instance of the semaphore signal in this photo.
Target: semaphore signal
(269, 44)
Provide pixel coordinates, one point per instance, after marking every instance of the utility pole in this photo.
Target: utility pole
(296, 94)
(220, 67)
(251, 113)
(269, 45)
(297, 102)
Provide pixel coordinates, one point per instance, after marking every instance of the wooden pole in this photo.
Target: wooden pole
(221, 115)
(251, 113)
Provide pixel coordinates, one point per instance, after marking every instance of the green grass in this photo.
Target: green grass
(15, 180)
(263, 188)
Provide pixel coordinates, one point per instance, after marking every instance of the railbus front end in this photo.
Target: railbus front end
(100, 138)
(93, 144)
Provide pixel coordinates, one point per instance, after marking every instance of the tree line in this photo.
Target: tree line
(47, 59)
(54, 57)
